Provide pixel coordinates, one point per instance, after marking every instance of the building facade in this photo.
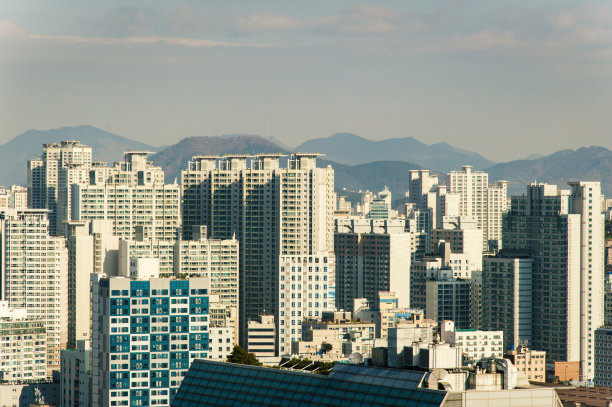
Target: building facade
(145, 334)
(272, 211)
(563, 231)
(34, 274)
(23, 348)
(371, 256)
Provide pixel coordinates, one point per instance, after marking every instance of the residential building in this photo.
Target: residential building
(346, 336)
(132, 195)
(475, 344)
(80, 245)
(75, 385)
(145, 335)
(43, 175)
(306, 289)
(531, 362)
(14, 196)
(273, 212)
(23, 348)
(603, 357)
(34, 274)
(449, 298)
(563, 232)
(371, 256)
(507, 297)
(486, 203)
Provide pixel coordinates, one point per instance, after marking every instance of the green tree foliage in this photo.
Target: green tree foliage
(241, 356)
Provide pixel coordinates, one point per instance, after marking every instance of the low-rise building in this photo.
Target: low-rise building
(262, 336)
(531, 362)
(476, 344)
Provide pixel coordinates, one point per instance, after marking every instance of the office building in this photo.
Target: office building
(563, 231)
(492, 383)
(23, 346)
(272, 211)
(262, 336)
(371, 256)
(145, 335)
(34, 274)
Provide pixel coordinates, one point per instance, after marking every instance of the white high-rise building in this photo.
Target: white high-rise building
(486, 203)
(14, 196)
(306, 289)
(133, 196)
(272, 211)
(563, 230)
(44, 175)
(34, 274)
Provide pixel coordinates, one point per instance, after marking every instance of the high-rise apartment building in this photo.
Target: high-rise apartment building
(429, 203)
(23, 346)
(371, 256)
(74, 379)
(80, 266)
(563, 231)
(145, 334)
(133, 196)
(272, 211)
(34, 274)
(486, 203)
(306, 289)
(14, 196)
(43, 175)
(507, 297)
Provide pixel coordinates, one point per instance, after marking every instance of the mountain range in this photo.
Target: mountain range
(15, 154)
(363, 171)
(348, 148)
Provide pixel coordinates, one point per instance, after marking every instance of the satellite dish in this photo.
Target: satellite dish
(356, 358)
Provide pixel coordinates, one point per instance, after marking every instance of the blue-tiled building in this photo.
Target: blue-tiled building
(145, 334)
(224, 384)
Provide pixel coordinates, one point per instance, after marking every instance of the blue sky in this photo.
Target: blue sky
(505, 79)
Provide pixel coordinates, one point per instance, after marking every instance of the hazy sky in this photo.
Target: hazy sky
(504, 79)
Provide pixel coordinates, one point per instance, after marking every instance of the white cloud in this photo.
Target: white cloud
(11, 31)
(268, 22)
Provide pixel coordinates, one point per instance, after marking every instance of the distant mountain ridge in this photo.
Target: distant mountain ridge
(173, 159)
(584, 164)
(348, 148)
(15, 153)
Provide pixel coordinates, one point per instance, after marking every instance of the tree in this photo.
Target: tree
(241, 356)
(326, 347)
